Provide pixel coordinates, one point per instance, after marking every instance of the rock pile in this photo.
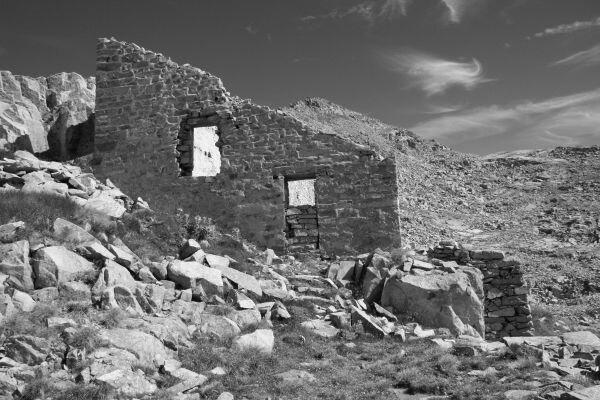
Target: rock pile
(575, 354)
(389, 287)
(28, 174)
(166, 303)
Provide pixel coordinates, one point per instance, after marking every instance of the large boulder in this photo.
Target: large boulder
(148, 349)
(9, 232)
(21, 124)
(112, 274)
(242, 280)
(101, 202)
(51, 115)
(71, 233)
(191, 274)
(56, 264)
(437, 300)
(105, 360)
(261, 340)
(171, 331)
(27, 349)
(127, 383)
(115, 297)
(14, 262)
(216, 326)
(22, 301)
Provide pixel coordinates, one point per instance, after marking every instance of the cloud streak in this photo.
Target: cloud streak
(582, 59)
(374, 11)
(569, 28)
(435, 75)
(457, 9)
(566, 120)
(370, 11)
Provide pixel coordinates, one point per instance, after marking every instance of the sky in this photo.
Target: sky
(480, 76)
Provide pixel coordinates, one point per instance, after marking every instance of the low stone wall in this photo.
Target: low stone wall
(507, 311)
(302, 232)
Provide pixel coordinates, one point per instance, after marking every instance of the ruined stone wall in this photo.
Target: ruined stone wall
(146, 109)
(302, 227)
(507, 311)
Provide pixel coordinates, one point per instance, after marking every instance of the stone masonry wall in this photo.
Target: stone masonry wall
(507, 311)
(146, 109)
(302, 227)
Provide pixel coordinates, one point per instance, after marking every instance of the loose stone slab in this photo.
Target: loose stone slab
(242, 280)
(320, 328)
(581, 338)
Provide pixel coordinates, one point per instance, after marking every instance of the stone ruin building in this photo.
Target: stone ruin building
(175, 132)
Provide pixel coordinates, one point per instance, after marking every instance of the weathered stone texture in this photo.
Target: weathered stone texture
(146, 109)
(50, 115)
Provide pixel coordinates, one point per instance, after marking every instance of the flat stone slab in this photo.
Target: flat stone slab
(589, 393)
(320, 328)
(241, 279)
(581, 338)
(536, 341)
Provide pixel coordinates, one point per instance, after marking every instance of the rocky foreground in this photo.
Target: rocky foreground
(84, 316)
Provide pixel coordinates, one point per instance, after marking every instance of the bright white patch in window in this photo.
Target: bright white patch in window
(207, 158)
(301, 192)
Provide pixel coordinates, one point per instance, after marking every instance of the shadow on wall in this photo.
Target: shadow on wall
(22, 143)
(70, 142)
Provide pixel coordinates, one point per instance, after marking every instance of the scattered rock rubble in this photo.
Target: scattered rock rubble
(170, 302)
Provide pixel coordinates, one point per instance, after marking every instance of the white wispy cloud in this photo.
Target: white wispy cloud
(456, 9)
(566, 120)
(370, 11)
(374, 11)
(569, 28)
(582, 59)
(251, 29)
(435, 75)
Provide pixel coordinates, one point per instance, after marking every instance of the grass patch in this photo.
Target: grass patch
(42, 388)
(33, 322)
(86, 338)
(37, 210)
(111, 318)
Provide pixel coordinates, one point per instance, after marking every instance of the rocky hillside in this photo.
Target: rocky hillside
(538, 205)
(47, 115)
(91, 308)
(323, 115)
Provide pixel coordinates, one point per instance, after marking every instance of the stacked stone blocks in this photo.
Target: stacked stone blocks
(303, 227)
(507, 311)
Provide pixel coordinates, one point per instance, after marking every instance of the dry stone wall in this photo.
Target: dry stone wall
(302, 227)
(507, 311)
(146, 110)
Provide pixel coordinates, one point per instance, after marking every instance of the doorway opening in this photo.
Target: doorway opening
(302, 221)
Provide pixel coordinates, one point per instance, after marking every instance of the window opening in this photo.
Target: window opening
(206, 157)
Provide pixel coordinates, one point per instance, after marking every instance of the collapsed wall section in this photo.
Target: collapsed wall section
(506, 302)
(146, 111)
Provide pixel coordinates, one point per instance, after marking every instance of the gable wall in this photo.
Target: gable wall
(146, 108)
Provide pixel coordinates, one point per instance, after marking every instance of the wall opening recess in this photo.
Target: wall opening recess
(302, 222)
(206, 155)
